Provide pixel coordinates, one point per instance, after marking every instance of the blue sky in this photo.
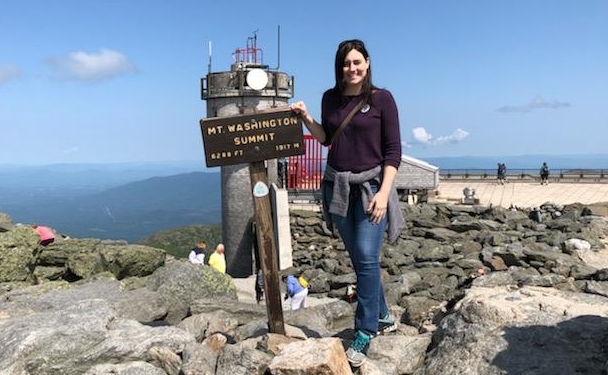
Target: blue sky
(118, 81)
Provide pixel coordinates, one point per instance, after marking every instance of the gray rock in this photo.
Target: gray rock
(525, 331)
(181, 283)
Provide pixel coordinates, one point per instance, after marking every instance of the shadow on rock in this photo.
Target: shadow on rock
(575, 346)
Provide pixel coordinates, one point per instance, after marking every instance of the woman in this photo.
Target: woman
(359, 196)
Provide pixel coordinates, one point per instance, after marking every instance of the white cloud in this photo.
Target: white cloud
(455, 137)
(537, 103)
(421, 136)
(71, 150)
(92, 66)
(8, 72)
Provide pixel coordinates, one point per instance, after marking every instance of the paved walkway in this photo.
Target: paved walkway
(524, 194)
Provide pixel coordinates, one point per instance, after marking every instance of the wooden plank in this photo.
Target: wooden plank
(266, 246)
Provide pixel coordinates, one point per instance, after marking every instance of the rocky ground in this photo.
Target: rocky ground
(476, 290)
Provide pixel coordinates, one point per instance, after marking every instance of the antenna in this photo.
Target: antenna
(251, 54)
(209, 65)
(278, 47)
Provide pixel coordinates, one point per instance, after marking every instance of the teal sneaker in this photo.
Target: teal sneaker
(386, 324)
(356, 353)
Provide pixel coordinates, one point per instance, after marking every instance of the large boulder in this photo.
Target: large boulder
(529, 330)
(73, 328)
(6, 223)
(132, 260)
(72, 340)
(182, 282)
(72, 259)
(17, 248)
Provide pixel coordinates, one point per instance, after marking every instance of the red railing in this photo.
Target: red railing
(305, 171)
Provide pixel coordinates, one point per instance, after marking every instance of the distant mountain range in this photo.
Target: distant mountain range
(132, 201)
(513, 162)
(91, 176)
(130, 211)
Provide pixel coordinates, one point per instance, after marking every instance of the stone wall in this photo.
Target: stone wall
(445, 248)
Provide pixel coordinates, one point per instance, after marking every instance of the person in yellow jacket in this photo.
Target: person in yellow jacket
(217, 260)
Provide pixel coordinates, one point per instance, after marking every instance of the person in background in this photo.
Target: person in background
(544, 174)
(361, 124)
(282, 172)
(259, 286)
(259, 274)
(295, 291)
(197, 254)
(45, 234)
(502, 173)
(217, 260)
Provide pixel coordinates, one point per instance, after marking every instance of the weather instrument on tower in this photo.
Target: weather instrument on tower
(257, 79)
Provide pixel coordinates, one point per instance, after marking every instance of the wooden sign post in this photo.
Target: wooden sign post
(266, 246)
(252, 139)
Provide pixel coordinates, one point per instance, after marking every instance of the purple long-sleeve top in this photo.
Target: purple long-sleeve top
(371, 138)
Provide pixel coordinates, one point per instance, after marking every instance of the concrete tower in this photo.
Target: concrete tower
(249, 87)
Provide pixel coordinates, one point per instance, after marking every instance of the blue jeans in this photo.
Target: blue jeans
(363, 240)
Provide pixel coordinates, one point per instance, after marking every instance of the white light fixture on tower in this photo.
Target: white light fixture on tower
(257, 79)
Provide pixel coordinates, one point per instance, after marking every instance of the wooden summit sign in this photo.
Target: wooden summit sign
(253, 137)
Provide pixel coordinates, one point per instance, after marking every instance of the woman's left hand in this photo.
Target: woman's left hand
(377, 207)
